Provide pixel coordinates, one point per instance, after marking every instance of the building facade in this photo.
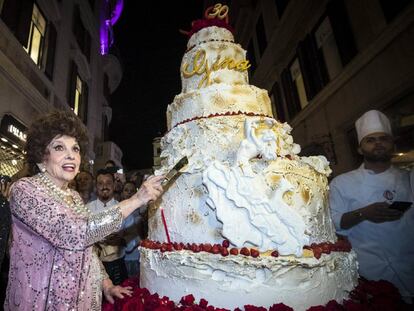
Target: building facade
(325, 62)
(54, 55)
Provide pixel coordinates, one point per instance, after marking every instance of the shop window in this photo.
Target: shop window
(261, 35)
(35, 42)
(327, 48)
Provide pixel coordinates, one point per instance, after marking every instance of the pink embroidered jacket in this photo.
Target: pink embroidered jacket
(52, 265)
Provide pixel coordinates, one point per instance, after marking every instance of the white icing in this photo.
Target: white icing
(218, 99)
(212, 33)
(217, 138)
(319, 163)
(234, 281)
(249, 214)
(194, 221)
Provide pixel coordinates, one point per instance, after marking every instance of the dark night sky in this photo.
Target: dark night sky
(151, 48)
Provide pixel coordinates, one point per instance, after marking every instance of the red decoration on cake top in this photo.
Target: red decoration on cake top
(216, 15)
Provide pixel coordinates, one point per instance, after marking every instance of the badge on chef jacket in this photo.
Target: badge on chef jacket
(389, 195)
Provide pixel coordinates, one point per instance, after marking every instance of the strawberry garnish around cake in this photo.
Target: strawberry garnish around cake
(315, 250)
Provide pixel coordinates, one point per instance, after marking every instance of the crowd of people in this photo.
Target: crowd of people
(72, 236)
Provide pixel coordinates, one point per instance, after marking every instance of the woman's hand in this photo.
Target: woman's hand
(150, 190)
(112, 291)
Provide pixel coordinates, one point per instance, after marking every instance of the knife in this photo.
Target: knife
(174, 171)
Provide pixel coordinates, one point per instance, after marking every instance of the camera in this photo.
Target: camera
(5, 179)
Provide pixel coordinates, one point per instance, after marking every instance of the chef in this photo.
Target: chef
(360, 200)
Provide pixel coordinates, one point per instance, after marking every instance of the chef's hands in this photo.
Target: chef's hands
(380, 212)
(150, 190)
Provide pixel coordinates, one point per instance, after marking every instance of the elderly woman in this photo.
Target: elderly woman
(53, 266)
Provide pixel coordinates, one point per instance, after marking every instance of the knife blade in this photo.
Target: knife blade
(174, 171)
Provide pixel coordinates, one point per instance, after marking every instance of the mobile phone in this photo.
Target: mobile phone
(401, 205)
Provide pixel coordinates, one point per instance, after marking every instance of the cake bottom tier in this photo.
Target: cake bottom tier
(235, 281)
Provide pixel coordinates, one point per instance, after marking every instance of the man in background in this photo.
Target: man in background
(360, 202)
(111, 250)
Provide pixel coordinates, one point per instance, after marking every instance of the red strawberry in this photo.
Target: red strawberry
(203, 303)
(215, 249)
(169, 247)
(178, 246)
(225, 243)
(317, 252)
(206, 247)
(224, 252)
(195, 248)
(326, 248)
(234, 251)
(187, 300)
(275, 254)
(254, 253)
(245, 251)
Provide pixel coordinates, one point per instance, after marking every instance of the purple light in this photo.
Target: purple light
(116, 13)
(109, 16)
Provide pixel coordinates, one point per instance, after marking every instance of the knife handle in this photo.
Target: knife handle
(165, 182)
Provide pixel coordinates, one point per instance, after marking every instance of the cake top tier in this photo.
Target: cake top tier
(202, 30)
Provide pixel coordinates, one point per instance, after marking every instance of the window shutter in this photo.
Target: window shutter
(342, 30)
(51, 47)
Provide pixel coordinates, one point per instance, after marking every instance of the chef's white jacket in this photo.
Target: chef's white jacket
(384, 250)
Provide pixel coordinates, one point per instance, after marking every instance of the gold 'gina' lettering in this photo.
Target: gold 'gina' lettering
(201, 67)
(198, 61)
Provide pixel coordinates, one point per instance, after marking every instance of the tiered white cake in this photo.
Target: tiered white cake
(244, 184)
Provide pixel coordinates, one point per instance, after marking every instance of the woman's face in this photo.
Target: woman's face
(62, 159)
(128, 191)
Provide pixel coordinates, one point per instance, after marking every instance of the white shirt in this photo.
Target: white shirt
(384, 250)
(97, 205)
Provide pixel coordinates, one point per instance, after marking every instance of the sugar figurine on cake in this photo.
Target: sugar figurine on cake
(248, 218)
